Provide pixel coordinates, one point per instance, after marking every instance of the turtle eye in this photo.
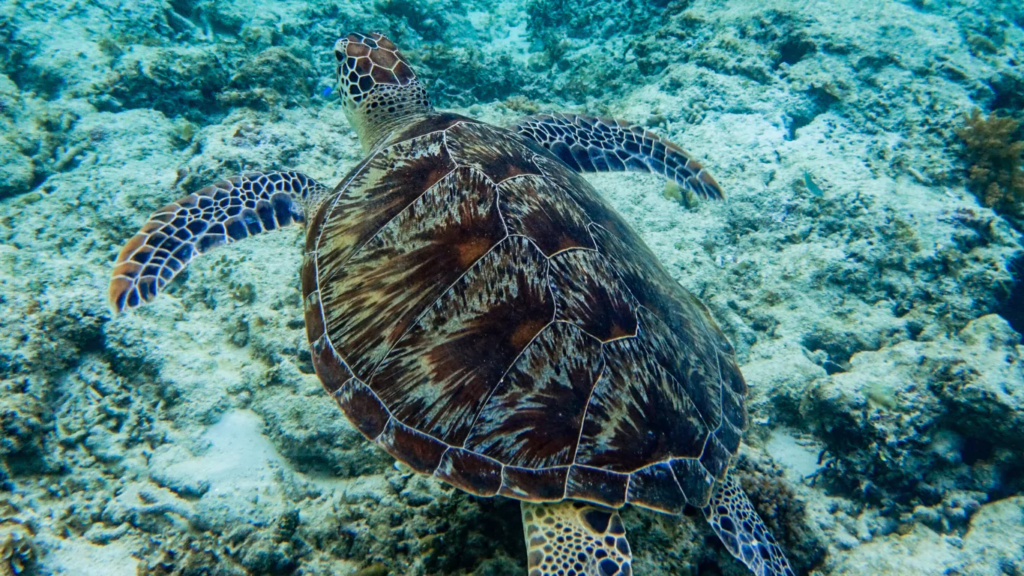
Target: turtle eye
(339, 55)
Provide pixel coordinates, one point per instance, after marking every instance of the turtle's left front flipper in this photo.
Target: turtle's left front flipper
(592, 144)
(734, 520)
(225, 212)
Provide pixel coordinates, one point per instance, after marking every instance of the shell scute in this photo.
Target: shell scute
(498, 155)
(332, 370)
(591, 296)
(694, 480)
(363, 408)
(734, 410)
(470, 471)
(597, 485)
(638, 413)
(533, 418)
(419, 451)
(380, 189)
(715, 458)
(437, 123)
(655, 487)
(596, 208)
(691, 361)
(537, 485)
(441, 372)
(405, 267)
(730, 436)
(534, 207)
(312, 309)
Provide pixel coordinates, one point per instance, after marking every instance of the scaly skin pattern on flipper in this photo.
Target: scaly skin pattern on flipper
(481, 313)
(575, 539)
(744, 534)
(591, 144)
(225, 212)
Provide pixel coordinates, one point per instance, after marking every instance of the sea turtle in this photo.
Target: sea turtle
(478, 310)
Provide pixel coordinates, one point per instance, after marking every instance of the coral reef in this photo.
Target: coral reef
(922, 423)
(182, 554)
(990, 546)
(996, 162)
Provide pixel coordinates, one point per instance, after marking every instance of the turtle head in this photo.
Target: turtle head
(379, 89)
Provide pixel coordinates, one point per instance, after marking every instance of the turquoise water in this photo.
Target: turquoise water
(864, 263)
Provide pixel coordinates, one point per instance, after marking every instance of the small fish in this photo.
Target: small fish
(811, 186)
(326, 91)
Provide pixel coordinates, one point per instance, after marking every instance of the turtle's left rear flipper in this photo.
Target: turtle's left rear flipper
(570, 537)
(592, 144)
(225, 212)
(734, 520)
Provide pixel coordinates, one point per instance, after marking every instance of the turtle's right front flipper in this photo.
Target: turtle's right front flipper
(225, 212)
(592, 144)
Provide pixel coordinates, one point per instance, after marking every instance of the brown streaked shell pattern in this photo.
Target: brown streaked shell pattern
(478, 311)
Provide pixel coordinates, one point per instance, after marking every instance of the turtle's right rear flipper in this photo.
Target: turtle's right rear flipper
(225, 212)
(744, 534)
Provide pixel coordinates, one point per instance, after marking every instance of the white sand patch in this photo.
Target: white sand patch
(797, 456)
(80, 557)
(239, 457)
(237, 473)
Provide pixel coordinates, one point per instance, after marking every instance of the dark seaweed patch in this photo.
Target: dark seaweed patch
(1012, 309)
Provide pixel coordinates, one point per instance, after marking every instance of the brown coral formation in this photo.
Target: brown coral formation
(17, 552)
(995, 175)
